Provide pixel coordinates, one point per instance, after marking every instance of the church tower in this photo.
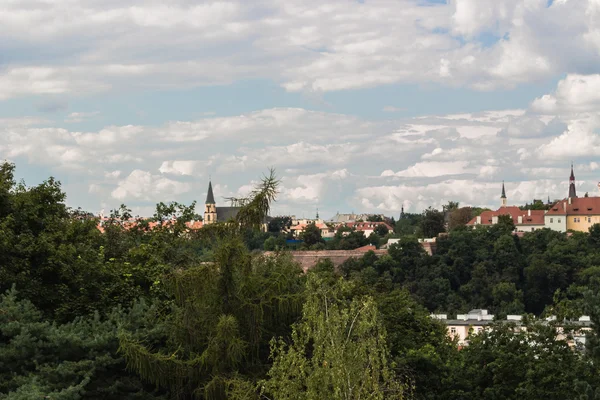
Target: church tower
(503, 196)
(210, 207)
(572, 192)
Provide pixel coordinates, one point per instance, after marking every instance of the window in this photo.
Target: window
(453, 330)
(589, 219)
(479, 330)
(532, 229)
(559, 220)
(551, 220)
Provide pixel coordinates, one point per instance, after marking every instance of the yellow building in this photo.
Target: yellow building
(578, 213)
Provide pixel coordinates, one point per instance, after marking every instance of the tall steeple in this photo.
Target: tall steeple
(210, 197)
(210, 207)
(503, 196)
(572, 191)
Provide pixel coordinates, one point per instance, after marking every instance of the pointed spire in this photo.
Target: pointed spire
(503, 196)
(210, 197)
(572, 191)
(317, 212)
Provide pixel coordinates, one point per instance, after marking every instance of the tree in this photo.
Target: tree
(381, 230)
(75, 360)
(338, 351)
(432, 223)
(311, 235)
(505, 362)
(279, 224)
(224, 313)
(459, 217)
(375, 218)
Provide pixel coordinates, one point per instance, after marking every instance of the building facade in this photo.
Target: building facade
(212, 213)
(524, 220)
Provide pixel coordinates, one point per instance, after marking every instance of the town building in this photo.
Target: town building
(524, 220)
(344, 218)
(212, 213)
(366, 227)
(479, 320)
(573, 213)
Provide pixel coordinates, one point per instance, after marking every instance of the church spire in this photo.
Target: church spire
(572, 191)
(210, 197)
(503, 195)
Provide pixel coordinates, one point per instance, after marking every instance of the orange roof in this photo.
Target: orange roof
(302, 226)
(578, 206)
(536, 217)
(131, 223)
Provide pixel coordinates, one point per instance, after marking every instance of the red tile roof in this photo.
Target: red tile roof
(536, 217)
(578, 206)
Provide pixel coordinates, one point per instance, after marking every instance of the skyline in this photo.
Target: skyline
(358, 105)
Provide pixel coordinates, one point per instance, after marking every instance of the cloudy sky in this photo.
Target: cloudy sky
(361, 105)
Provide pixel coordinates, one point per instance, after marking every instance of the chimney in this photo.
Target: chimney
(570, 200)
(520, 219)
(564, 206)
(479, 219)
(529, 213)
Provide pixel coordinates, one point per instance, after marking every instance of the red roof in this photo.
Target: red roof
(529, 217)
(578, 206)
(131, 223)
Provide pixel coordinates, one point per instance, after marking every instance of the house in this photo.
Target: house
(366, 227)
(524, 220)
(478, 320)
(573, 213)
(326, 231)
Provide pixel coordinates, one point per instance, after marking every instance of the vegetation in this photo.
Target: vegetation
(149, 309)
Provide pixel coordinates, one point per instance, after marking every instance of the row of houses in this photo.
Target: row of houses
(572, 213)
(476, 321)
(329, 228)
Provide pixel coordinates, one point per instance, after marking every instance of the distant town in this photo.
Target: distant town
(572, 213)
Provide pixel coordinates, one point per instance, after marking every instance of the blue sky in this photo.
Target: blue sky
(359, 105)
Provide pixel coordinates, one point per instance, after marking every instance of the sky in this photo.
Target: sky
(360, 106)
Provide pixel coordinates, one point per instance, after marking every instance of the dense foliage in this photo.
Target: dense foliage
(148, 309)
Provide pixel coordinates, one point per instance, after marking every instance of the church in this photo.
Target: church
(212, 213)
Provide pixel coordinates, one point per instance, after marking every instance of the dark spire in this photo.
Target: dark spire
(503, 196)
(572, 191)
(210, 197)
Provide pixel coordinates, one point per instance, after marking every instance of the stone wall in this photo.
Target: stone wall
(308, 259)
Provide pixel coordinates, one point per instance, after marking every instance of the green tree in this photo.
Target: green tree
(338, 351)
(224, 314)
(311, 235)
(433, 223)
(71, 361)
(381, 230)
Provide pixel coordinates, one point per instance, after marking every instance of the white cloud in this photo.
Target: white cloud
(576, 93)
(142, 185)
(304, 45)
(76, 117)
(432, 169)
(180, 167)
